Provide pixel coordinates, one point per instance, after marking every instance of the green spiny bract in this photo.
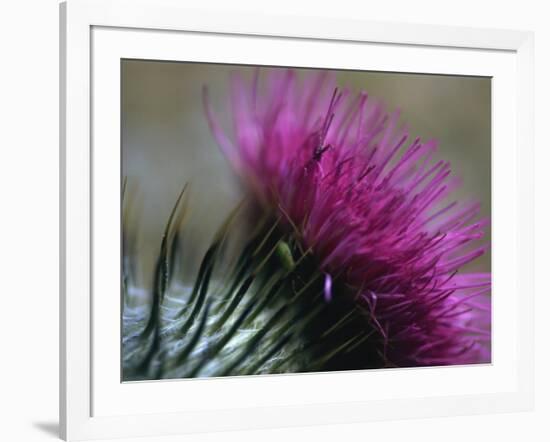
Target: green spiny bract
(264, 314)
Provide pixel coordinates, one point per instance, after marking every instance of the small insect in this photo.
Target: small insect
(285, 255)
(319, 151)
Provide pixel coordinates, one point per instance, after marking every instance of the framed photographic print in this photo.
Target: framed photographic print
(286, 221)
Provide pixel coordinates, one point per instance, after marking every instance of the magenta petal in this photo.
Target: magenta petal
(372, 203)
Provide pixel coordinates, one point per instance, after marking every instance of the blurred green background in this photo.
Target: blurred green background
(166, 141)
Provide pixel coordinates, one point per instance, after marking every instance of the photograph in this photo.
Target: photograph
(260, 221)
(281, 220)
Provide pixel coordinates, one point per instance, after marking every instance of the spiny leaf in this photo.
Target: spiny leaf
(254, 341)
(194, 339)
(261, 316)
(260, 363)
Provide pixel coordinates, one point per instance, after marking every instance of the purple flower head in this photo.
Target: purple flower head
(373, 205)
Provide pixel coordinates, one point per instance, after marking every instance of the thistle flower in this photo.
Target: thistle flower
(374, 208)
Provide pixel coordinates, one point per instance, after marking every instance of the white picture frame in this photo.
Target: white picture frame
(95, 35)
